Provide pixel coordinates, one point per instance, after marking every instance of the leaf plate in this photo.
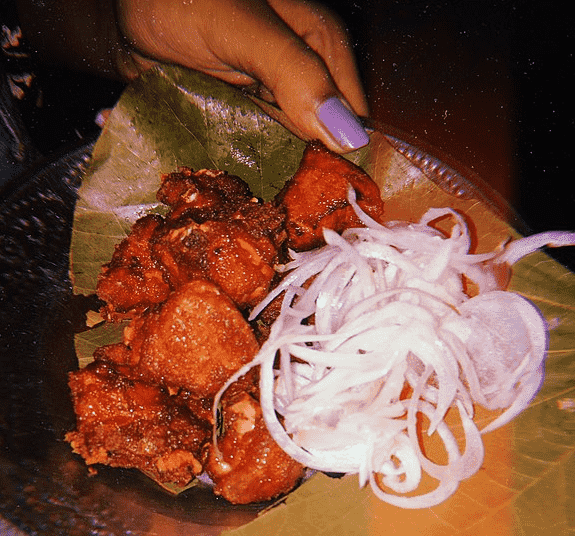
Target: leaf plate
(172, 117)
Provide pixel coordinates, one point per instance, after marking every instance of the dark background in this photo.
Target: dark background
(488, 82)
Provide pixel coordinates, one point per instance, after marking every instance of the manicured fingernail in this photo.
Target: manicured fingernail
(342, 124)
(102, 117)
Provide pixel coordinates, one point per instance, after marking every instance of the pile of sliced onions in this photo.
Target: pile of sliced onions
(375, 328)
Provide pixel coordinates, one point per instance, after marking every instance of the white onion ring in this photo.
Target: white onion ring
(390, 311)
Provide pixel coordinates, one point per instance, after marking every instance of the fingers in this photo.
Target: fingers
(297, 50)
(304, 89)
(312, 75)
(321, 30)
(300, 72)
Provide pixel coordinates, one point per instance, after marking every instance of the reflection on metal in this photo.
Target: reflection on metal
(446, 172)
(443, 175)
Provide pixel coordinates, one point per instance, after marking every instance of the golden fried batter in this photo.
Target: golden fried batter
(248, 465)
(133, 279)
(215, 230)
(202, 195)
(240, 264)
(196, 340)
(127, 423)
(316, 197)
(226, 253)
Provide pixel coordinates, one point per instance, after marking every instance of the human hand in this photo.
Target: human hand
(294, 52)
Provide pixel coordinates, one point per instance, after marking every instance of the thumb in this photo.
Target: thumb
(299, 56)
(242, 41)
(302, 86)
(304, 89)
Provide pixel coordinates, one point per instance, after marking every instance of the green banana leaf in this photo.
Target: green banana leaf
(166, 119)
(169, 118)
(172, 117)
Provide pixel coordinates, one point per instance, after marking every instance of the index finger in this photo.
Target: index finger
(326, 35)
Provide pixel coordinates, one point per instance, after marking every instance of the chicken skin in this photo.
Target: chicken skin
(248, 465)
(194, 341)
(133, 280)
(316, 197)
(226, 253)
(134, 424)
(207, 194)
(215, 231)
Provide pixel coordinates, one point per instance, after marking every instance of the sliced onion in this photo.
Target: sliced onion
(390, 313)
(524, 246)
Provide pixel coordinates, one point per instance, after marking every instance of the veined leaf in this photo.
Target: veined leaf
(168, 118)
(171, 117)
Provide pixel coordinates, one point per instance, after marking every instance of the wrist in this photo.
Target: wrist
(128, 62)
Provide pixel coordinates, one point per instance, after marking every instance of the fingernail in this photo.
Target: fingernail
(342, 124)
(102, 117)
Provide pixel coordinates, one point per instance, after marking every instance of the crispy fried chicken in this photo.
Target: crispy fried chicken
(195, 340)
(215, 230)
(187, 280)
(134, 279)
(248, 465)
(316, 197)
(202, 195)
(128, 423)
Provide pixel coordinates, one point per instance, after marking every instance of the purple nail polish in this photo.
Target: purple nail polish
(342, 124)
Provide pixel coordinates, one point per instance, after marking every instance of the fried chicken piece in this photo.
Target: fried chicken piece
(225, 253)
(195, 340)
(202, 195)
(262, 220)
(214, 231)
(180, 250)
(133, 280)
(133, 424)
(236, 253)
(248, 465)
(239, 263)
(203, 407)
(125, 361)
(316, 197)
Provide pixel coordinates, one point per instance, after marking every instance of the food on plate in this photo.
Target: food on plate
(187, 281)
(248, 465)
(216, 230)
(124, 422)
(304, 332)
(316, 197)
(196, 320)
(376, 331)
(133, 280)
